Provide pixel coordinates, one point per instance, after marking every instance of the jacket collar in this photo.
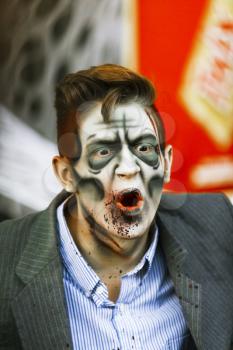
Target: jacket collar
(41, 247)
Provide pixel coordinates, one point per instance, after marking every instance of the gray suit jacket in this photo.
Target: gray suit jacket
(197, 238)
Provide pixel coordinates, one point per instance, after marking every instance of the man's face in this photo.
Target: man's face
(120, 173)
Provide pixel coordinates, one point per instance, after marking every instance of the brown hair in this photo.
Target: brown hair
(109, 83)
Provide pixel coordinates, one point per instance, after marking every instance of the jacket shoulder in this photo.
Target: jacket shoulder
(197, 204)
(201, 220)
(15, 229)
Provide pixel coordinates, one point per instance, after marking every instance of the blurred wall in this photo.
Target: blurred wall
(41, 41)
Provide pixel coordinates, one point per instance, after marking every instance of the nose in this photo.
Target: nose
(127, 166)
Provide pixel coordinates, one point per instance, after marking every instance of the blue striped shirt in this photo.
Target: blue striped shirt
(147, 314)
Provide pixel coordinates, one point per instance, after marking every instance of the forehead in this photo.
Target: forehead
(130, 118)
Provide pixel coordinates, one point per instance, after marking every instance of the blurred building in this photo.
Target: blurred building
(41, 41)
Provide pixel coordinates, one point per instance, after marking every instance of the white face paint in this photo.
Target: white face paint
(120, 172)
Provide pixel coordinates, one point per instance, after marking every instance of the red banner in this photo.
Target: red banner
(186, 49)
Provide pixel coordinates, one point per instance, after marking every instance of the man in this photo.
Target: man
(113, 263)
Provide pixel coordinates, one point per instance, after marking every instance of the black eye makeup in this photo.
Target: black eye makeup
(146, 148)
(100, 154)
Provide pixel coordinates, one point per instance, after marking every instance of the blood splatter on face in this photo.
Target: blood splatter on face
(120, 173)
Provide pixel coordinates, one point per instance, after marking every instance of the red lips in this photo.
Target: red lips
(129, 200)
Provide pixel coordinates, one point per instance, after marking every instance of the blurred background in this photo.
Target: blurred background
(184, 47)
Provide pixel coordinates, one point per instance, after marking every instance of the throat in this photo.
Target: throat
(113, 285)
(106, 253)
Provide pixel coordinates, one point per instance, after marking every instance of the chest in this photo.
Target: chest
(140, 318)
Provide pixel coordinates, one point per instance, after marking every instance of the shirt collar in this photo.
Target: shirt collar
(82, 273)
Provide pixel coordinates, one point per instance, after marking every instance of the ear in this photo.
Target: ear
(167, 163)
(63, 172)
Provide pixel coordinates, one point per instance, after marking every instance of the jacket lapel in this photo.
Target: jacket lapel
(40, 308)
(187, 289)
(204, 299)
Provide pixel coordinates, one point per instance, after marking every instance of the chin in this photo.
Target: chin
(129, 228)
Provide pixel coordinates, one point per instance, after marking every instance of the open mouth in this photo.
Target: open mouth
(130, 201)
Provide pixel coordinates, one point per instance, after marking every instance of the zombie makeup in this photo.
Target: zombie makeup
(101, 153)
(146, 148)
(119, 175)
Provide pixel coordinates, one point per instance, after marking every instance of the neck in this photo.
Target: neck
(105, 253)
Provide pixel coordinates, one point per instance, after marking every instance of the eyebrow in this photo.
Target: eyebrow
(115, 122)
(141, 138)
(119, 124)
(106, 139)
(116, 139)
(91, 136)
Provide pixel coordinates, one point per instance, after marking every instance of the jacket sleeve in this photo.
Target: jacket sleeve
(9, 283)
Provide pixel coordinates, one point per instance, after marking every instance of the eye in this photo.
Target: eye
(145, 148)
(102, 152)
(147, 152)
